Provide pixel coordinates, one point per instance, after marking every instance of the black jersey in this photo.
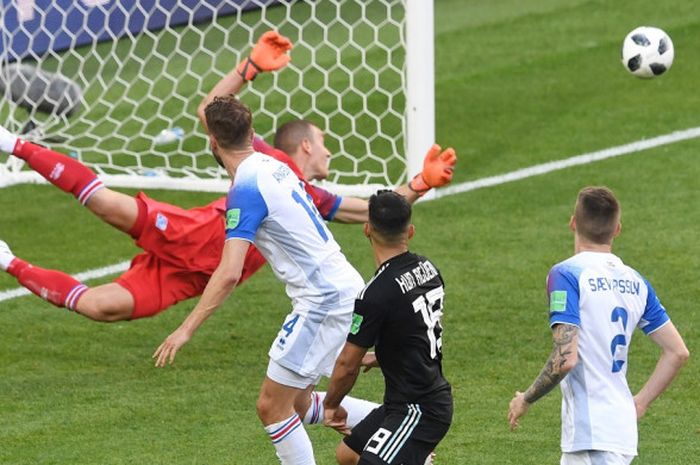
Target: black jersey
(399, 313)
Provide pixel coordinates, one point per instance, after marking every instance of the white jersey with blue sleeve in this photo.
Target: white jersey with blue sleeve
(606, 300)
(269, 207)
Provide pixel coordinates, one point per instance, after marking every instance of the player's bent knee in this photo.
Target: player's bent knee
(272, 409)
(275, 402)
(265, 408)
(100, 304)
(346, 456)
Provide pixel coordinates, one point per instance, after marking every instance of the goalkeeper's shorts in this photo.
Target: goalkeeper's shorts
(182, 248)
(156, 284)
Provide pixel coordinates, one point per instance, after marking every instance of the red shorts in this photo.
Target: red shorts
(182, 248)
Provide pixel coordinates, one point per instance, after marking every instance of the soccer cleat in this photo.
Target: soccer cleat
(7, 140)
(6, 255)
(429, 460)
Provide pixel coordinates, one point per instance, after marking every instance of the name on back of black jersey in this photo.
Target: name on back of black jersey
(424, 272)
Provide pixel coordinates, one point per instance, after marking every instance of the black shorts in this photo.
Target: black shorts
(400, 434)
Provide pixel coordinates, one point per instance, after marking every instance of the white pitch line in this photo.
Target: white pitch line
(536, 170)
(586, 158)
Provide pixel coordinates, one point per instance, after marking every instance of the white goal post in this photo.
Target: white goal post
(101, 79)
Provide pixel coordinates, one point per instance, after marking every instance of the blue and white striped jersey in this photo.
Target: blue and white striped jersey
(269, 207)
(606, 299)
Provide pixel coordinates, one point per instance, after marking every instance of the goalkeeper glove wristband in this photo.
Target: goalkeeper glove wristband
(248, 69)
(418, 185)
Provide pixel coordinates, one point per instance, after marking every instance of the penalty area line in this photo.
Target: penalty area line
(491, 181)
(584, 159)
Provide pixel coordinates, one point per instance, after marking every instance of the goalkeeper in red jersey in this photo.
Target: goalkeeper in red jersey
(182, 248)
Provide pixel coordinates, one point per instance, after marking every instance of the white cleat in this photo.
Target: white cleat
(6, 255)
(429, 460)
(7, 140)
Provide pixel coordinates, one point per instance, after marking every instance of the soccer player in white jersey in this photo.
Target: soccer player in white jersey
(268, 206)
(595, 303)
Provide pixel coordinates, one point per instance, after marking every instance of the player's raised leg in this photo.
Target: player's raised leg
(109, 302)
(71, 176)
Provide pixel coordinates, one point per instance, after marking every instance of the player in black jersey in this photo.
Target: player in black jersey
(398, 312)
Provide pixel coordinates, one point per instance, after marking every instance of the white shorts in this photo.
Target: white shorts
(287, 377)
(595, 457)
(308, 344)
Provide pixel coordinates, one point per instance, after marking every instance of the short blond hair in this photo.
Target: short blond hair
(290, 135)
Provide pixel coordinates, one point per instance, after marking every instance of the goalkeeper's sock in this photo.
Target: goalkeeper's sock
(62, 171)
(357, 409)
(6, 256)
(291, 442)
(7, 140)
(53, 286)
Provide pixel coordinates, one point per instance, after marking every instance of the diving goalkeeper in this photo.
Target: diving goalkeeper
(182, 248)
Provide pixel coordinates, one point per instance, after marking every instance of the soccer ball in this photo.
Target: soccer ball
(647, 52)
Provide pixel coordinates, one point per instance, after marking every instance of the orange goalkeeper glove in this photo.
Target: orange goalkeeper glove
(269, 54)
(438, 165)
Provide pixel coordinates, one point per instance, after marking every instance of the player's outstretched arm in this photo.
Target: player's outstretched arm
(563, 359)
(438, 166)
(268, 54)
(220, 285)
(674, 354)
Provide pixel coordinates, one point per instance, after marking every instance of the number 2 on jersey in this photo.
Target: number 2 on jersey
(430, 307)
(618, 313)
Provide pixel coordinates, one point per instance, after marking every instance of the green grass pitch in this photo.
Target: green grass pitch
(518, 83)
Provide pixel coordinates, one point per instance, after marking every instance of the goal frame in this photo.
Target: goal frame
(418, 123)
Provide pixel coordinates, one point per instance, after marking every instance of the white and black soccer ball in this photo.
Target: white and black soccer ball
(647, 52)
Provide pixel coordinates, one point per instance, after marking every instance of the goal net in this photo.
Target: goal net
(101, 80)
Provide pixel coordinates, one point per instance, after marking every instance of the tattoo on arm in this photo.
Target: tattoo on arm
(565, 349)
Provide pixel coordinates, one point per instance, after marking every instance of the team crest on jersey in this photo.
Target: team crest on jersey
(356, 322)
(233, 216)
(557, 301)
(161, 222)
